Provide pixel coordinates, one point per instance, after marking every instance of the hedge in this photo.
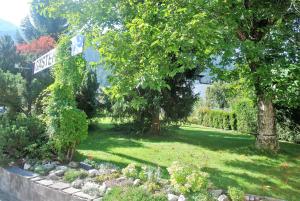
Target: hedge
(216, 118)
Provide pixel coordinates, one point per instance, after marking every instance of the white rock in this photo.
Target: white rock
(181, 198)
(91, 188)
(62, 167)
(216, 193)
(53, 176)
(78, 183)
(172, 197)
(223, 198)
(137, 182)
(93, 172)
(27, 166)
(102, 189)
(73, 164)
(59, 173)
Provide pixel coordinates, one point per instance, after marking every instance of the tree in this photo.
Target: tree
(149, 47)
(29, 31)
(11, 90)
(86, 96)
(8, 55)
(35, 84)
(260, 39)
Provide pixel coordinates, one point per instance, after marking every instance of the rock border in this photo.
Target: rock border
(27, 186)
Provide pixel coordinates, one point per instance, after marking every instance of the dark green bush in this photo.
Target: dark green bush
(215, 118)
(132, 194)
(22, 136)
(246, 116)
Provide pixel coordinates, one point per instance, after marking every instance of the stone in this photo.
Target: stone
(71, 190)
(61, 167)
(216, 193)
(102, 189)
(137, 182)
(83, 195)
(172, 197)
(91, 188)
(73, 164)
(85, 166)
(93, 172)
(26, 166)
(53, 176)
(45, 182)
(60, 186)
(78, 183)
(182, 198)
(59, 173)
(98, 199)
(48, 167)
(223, 197)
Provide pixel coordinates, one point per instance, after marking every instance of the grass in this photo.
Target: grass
(230, 158)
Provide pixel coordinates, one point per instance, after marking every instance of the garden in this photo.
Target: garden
(100, 96)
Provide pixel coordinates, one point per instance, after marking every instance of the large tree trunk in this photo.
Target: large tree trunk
(267, 137)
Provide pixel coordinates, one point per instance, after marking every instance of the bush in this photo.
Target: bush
(107, 177)
(246, 115)
(149, 173)
(236, 194)
(201, 196)
(215, 118)
(132, 194)
(21, 137)
(131, 171)
(72, 175)
(187, 178)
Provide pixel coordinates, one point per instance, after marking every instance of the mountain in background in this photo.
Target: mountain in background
(7, 28)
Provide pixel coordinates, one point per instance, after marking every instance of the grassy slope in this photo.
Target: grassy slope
(229, 157)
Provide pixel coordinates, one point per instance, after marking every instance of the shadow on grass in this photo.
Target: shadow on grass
(106, 138)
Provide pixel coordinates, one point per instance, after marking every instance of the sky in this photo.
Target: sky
(14, 10)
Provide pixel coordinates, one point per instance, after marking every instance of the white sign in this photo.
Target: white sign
(77, 44)
(45, 61)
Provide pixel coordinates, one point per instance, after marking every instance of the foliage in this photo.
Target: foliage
(133, 194)
(214, 118)
(201, 196)
(86, 98)
(187, 178)
(8, 55)
(71, 175)
(67, 125)
(149, 173)
(288, 127)
(11, 90)
(218, 95)
(236, 194)
(23, 136)
(36, 47)
(131, 171)
(246, 115)
(107, 177)
(29, 31)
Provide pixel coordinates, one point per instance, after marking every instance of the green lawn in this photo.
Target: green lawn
(228, 157)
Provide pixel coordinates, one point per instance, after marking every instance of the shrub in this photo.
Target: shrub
(246, 115)
(106, 177)
(131, 171)
(187, 178)
(72, 175)
(132, 194)
(201, 196)
(236, 194)
(215, 118)
(149, 173)
(21, 137)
